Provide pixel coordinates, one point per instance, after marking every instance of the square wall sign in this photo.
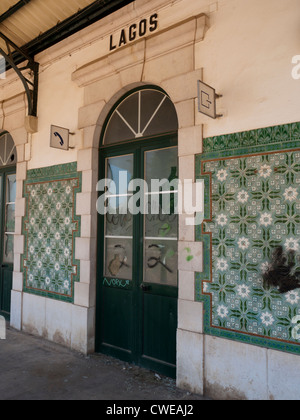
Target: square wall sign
(59, 138)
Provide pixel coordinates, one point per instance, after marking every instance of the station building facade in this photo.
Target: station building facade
(193, 302)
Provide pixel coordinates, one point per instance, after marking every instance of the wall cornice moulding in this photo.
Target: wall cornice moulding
(164, 41)
(171, 13)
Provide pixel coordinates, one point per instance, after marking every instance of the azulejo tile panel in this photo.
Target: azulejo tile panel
(252, 208)
(50, 228)
(274, 138)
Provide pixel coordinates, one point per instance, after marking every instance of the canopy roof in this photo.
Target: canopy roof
(27, 27)
(35, 25)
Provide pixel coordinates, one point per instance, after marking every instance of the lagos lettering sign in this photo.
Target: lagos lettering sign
(133, 32)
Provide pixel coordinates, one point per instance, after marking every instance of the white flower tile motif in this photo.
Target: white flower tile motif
(50, 228)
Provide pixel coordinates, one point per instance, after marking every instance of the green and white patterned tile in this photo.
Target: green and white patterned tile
(252, 207)
(50, 228)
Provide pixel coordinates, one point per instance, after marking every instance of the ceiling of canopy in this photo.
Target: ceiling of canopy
(34, 25)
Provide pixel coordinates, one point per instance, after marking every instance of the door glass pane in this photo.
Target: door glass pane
(11, 188)
(160, 224)
(162, 118)
(161, 220)
(10, 218)
(8, 152)
(118, 262)
(162, 164)
(118, 222)
(161, 262)
(9, 227)
(147, 112)
(8, 257)
(120, 171)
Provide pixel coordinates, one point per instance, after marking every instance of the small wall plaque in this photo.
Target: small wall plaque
(207, 100)
(59, 138)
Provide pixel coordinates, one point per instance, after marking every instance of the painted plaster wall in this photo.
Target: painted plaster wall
(246, 54)
(241, 371)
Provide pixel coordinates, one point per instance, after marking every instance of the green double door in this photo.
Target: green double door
(138, 255)
(7, 229)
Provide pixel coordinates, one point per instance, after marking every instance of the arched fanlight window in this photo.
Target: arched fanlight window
(8, 151)
(144, 113)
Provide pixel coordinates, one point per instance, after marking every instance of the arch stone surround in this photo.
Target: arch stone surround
(168, 61)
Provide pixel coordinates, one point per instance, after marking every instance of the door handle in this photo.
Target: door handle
(145, 287)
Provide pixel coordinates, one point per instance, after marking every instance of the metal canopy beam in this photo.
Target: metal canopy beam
(12, 10)
(85, 17)
(29, 65)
